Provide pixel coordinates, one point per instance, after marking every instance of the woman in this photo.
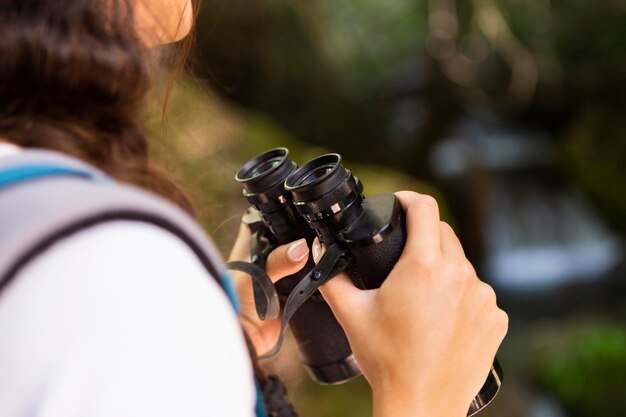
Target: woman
(121, 319)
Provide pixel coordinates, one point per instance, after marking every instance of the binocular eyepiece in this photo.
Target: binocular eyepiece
(263, 179)
(366, 235)
(327, 195)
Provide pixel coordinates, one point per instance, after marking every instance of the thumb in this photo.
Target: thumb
(343, 297)
(287, 259)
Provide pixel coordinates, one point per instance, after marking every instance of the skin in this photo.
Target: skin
(431, 365)
(162, 21)
(280, 264)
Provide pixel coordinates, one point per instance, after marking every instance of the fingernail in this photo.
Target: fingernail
(317, 248)
(297, 250)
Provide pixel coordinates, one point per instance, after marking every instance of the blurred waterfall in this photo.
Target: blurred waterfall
(535, 233)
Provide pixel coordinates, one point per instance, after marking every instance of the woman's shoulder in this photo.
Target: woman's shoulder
(121, 305)
(124, 259)
(126, 252)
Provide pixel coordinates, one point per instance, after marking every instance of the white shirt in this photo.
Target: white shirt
(122, 320)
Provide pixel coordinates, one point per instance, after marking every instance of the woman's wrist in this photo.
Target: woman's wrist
(394, 405)
(402, 403)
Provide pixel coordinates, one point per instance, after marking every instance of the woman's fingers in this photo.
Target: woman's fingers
(282, 261)
(450, 244)
(241, 247)
(343, 297)
(422, 223)
(287, 259)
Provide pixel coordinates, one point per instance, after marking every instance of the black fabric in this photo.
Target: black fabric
(276, 400)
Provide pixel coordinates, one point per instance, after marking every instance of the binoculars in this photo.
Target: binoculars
(364, 237)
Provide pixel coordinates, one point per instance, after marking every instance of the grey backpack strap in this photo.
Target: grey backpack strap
(37, 213)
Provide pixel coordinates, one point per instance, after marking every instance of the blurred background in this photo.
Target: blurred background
(511, 112)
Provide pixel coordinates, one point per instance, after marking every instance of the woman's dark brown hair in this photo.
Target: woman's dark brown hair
(73, 78)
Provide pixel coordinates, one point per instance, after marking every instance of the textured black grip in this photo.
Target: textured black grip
(372, 262)
(320, 338)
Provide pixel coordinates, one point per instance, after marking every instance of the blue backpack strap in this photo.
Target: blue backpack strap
(46, 196)
(16, 175)
(260, 410)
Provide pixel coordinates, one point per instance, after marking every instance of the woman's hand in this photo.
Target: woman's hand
(425, 340)
(283, 261)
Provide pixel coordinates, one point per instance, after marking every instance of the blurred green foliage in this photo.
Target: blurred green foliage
(382, 82)
(593, 152)
(349, 399)
(364, 40)
(586, 370)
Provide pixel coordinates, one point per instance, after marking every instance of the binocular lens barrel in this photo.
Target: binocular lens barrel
(323, 345)
(326, 194)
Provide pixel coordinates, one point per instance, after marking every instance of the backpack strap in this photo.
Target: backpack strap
(45, 196)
